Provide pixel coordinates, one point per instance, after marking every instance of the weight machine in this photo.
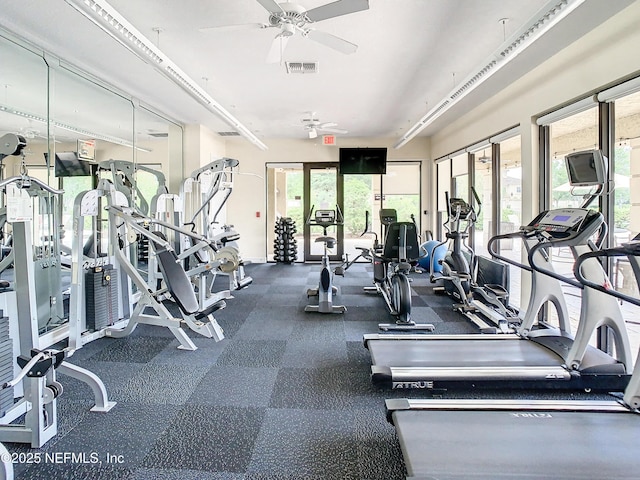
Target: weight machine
(35, 319)
(126, 227)
(203, 195)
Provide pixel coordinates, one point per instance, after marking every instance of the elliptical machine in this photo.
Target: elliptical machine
(326, 290)
(392, 263)
(461, 270)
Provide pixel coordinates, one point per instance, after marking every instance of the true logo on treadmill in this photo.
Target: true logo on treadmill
(411, 385)
(532, 415)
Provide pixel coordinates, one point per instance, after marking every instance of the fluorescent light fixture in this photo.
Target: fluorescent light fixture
(506, 135)
(546, 18)
(114, 24)
(565, 112)
(476, 147)
(72, 128)
(619, 91)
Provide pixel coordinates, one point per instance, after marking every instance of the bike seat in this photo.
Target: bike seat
(330, 241)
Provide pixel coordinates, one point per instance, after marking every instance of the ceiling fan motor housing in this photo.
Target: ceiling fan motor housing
(292, 14)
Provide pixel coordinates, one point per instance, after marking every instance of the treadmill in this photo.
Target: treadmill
(541, 439)
(541, 359)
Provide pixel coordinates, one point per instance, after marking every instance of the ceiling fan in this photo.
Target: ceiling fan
(289, 18)
(32, 133)
(312, 125)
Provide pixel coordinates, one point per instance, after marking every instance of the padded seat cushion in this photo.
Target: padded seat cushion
(176, 279)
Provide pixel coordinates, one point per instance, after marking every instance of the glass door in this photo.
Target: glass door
(361, 195)
(323, 191)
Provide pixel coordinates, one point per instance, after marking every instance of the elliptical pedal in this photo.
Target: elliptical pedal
(406, 327)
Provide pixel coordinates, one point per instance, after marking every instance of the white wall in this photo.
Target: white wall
(603, 57)
(247, 206)
(201, 146)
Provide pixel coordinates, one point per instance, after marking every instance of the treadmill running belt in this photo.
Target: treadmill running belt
(447, 445)
(454, 353)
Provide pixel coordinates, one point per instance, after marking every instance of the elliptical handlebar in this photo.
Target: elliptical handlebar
(475, 195)
(308, 220)
(339, 216)
(366, 231)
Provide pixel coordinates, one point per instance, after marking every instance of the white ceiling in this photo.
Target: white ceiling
(411, 54)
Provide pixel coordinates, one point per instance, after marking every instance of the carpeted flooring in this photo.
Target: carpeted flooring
(286, 395)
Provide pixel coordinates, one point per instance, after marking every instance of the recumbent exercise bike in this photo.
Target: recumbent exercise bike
(392, 263)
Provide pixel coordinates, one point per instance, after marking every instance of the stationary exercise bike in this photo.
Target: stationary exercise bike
(326, 290)
(392, 263)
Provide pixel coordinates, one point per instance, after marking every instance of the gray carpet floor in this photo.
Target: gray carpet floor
(286, 395)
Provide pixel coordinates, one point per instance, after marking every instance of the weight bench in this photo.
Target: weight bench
(181, 290)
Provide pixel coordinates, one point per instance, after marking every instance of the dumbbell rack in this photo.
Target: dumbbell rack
(285, 245)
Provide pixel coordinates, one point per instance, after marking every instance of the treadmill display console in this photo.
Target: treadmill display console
(561, 220)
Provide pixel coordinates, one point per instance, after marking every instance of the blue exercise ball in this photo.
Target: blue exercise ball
(440, 252)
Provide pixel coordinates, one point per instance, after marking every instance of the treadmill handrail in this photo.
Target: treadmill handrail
(524, 233)
(624, 251)
(562, 242)
(551, 273)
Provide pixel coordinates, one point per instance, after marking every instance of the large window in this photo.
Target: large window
(454, 177)
(484, 187)
(401, 188)
(444, 185)
(460, 176)
(626, 166)
(626, 201)
(511, 209)
(574, 133)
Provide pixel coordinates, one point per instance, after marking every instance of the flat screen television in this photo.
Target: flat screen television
(363, 161)
(67, 164)
(586, 169)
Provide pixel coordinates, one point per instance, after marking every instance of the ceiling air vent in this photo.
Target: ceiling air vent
(159, 134)
(302, 67)
(229, 134)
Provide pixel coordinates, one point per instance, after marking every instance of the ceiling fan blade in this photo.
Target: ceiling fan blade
(326, 125)
(336, 9)
(332, 41)
(277, 49)
(335, 130)
(270, 5)
(230, 28)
